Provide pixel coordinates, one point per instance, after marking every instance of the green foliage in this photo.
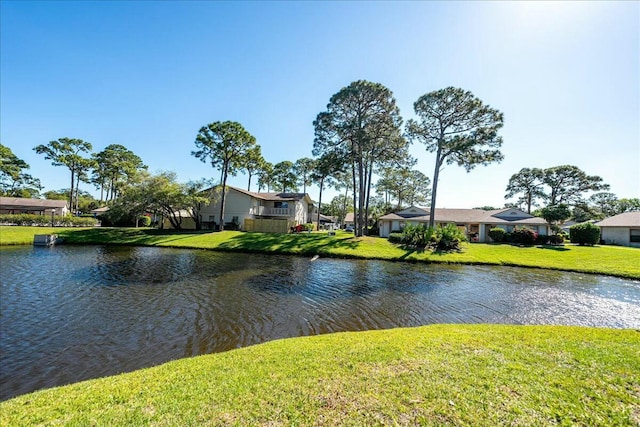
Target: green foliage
(528, 183)
(419, 235)
(14, 181)
(567, 183)
(144, 221)
(460, 128)
(284, 177)
(557, 239)
(449, 238)
(497, 234)
(523, 236)
(47, 221)
(556, 214)
(397, 238)
(585, 234)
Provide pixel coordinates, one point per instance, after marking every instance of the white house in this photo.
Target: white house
(240, 205)
(20, 205)
(623, 229)
(476, 222)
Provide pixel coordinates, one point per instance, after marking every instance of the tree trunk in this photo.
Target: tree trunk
(361, 185)
(320, 202)
(355, 205)
(366, 208)
(249, 185)
(436, 173)
(222, 198)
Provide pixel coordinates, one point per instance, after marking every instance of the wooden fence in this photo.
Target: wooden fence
(268, 225)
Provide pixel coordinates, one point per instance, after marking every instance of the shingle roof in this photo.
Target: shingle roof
(627, 219)
(468, 216)
(32, 203)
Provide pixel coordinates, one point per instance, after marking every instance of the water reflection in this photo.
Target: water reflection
(72, 313)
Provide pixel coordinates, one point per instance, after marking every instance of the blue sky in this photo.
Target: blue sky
(148, 75)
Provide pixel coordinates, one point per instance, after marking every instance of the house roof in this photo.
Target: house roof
(627, 219)
(19, 202)
(273, 196)
(498, 216)
(100, 210)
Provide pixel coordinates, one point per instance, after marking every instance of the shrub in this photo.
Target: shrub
(396, 238)
(556, 239)
(47, 220)
(450, 238)
(585, 234)
(417, 235)
(144, 221)
(524, 236)
(497, 234)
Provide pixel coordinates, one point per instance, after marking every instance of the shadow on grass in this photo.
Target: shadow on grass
(554, 248)
(125, 235)
(287, 243)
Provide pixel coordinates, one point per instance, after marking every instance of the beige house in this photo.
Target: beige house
(19, 205)
(623, 229)
(476, 222)
(241, 205)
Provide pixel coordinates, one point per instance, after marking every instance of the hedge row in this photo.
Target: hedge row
(47, 220)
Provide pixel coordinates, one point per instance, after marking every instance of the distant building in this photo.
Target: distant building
(19, 205)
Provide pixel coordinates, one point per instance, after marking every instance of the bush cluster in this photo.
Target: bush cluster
(46, 221)
(523, 236)
(584, 234)
(497, 234)
(447, 238)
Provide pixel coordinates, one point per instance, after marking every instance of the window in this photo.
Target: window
(212, 218)
(235, 220)
(283, 205)
(634, 235)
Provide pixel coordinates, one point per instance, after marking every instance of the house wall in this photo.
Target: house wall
(236, 204)
(617, 236)
(301, 211)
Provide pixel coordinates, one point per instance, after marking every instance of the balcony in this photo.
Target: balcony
(267, 211)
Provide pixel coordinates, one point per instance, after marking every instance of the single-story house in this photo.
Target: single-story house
(20, 205)
(622, 229)
(476, 222)
(326, 222)
(242, 205)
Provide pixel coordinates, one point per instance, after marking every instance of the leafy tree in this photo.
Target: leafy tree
(528, 183)
(361, 126)
(338, 207)
(628, 205)
(404, 185)
(265, 176)
(555, 214)
(113, 168)
(459, 128)
(584, 234)
(67, 152)
(568, 183)
(486, 208)
(14, 182)
(253, 163)
(605, 203)
(304, 168)
(323, 169)
(284, 177)
(198, 194)
(86, 202)
(225, 145)
(583, 212)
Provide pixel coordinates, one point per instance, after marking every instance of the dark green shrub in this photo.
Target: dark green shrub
(542, 239)
(556, 239)
(585, 234)
(450, 238)
(497, 234)
(396, 238)
(47, 220)
(144, 221)
(524, 236)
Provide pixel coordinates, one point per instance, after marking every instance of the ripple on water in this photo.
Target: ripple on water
(72, 313)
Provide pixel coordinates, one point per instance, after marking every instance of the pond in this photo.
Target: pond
(70, 313)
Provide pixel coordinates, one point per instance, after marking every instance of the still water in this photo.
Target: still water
(73, 313)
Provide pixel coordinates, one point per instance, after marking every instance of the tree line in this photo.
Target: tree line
(359, 138)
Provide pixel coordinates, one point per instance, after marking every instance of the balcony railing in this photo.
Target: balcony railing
(267, 211)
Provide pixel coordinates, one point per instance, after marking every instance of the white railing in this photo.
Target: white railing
(266, 211)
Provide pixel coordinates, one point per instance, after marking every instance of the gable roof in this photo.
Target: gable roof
(274, 196)
(20, 202)
(627, 219)
(498, 216)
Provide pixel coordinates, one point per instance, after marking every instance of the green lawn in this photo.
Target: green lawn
(610, 260)
(472, 375)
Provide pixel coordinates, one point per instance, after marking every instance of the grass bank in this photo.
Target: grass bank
(476, 375)
(609, 260)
